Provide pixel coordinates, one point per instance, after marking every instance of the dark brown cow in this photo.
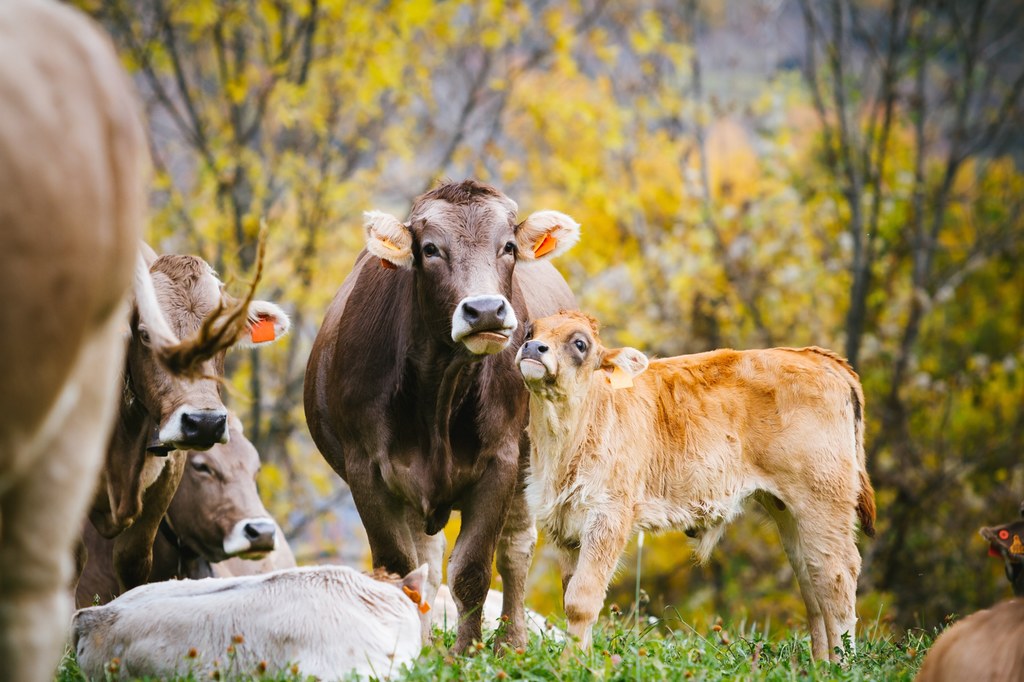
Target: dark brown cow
(412, 394)
(73, 167)
(162, 415)
(215, 514)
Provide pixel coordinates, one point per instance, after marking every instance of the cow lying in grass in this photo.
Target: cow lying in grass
(329, 621)
(986, 644)
(621, 444)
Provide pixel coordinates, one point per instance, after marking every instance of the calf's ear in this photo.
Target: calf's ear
(266, 323)
(545, 235)
(388, 238)
(413, 585)
(620, 365)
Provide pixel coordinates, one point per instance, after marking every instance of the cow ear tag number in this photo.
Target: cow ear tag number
(545, 245)
(619, 378)
(263, 330)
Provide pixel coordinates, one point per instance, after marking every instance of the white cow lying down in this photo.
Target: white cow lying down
(330, 621)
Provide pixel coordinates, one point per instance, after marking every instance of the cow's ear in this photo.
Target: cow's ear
(388, 238)
(267, 322)
(546, 234)
(620, 365)
(413, 585)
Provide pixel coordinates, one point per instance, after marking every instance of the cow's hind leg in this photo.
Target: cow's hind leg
(794, 550)
(42, 513)
(825, 530)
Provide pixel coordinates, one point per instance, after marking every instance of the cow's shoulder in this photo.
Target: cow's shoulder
(545, 292)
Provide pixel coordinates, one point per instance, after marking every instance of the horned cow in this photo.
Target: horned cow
(162, 415)
(621, 443)
(73, 164)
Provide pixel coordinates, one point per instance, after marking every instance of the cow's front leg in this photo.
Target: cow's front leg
(601, 545)
(133, 548)
(469, 569)
(515, 554)
(384, 517)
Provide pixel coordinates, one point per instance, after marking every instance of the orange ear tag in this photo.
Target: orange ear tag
(390, 245)
(546, 244)
(619, 378)
(263, 331)
(1017, 547)
(424, 607)
(412, 594)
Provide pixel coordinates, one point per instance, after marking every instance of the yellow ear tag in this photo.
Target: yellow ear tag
(1017, 547)
(619, 378)
(389, 244)
(546, 244)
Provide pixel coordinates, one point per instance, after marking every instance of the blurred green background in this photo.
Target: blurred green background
(843, 173)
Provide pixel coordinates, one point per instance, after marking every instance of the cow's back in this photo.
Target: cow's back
(984, 646)
(71, 159)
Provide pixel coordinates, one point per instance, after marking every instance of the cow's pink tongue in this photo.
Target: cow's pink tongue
(485, 343)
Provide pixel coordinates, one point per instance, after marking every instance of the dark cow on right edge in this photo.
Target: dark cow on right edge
(986, 645)
(412, 394)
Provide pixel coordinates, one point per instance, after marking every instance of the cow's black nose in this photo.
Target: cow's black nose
(485, 313)
(204, 428)
(533, 350)
(260, 534)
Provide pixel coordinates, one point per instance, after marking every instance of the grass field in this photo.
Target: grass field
(664, 650)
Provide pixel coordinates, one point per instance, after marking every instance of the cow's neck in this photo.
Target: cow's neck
(560, 426)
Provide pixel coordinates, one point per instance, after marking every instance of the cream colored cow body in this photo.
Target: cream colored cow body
(621, 444)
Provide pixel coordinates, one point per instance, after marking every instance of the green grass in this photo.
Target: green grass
(664, 650)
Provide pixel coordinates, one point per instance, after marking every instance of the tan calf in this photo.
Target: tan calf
(621, 444)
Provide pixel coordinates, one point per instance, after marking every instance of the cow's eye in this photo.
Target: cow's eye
(510, 248)
(203, 468)
(144, 336)
(581, 345)
(431, 250)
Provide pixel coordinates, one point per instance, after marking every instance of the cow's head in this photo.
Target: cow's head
(1007, 542)
(216, 511)
(462, 241)
(189, 412)
(563, 355)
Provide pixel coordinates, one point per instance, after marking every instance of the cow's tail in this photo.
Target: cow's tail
(866, 493)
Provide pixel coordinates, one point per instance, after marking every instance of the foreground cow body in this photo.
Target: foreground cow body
(985, 645)
(161, 415)
(412, 395)
(328, 620)
(216, 514)
(72, 172)
(621, 445)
